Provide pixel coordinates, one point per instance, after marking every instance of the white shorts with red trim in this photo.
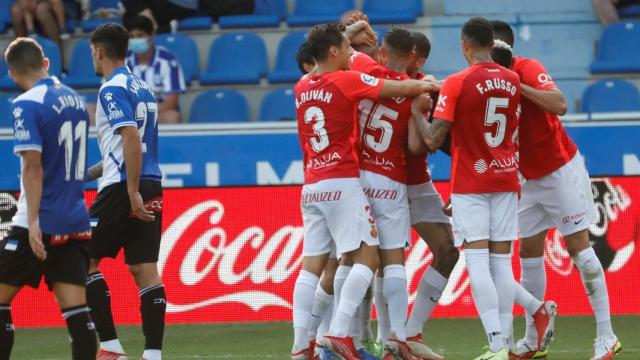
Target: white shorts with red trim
(562, 199)
(336, 211)
(492, 216)
(425, 204)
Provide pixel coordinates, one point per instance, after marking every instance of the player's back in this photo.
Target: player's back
(126, 100)
(52, 118)
(485, 99)
(326, 110)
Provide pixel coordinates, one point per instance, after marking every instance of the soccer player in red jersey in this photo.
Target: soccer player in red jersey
(557, 193)
(479, 105)
(334, 207)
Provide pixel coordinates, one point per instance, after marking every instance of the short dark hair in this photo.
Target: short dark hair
(422, 43)
(502, 31)
(113, 38)
(399, 40)
(322, 37)
(478, 31)
(303, 57)
(24, 55)
(502, 54)
(139, 22)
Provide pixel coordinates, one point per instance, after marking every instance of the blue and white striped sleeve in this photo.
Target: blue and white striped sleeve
(115, 103)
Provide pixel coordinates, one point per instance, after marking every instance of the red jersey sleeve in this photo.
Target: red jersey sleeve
(535, 75)
(364, 63)
(357, 85)
(448, 98)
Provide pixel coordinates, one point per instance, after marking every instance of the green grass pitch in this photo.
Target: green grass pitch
(458, 339)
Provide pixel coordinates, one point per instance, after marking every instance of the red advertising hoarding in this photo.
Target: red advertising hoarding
(233, 254)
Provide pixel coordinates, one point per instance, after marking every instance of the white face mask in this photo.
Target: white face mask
(139, 45)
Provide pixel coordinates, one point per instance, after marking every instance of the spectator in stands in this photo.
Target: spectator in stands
(607, 10)
(49, 15)
(102, 9)
(157, 66)
(161, 12)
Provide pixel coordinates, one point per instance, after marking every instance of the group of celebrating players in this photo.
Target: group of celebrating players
(52, 234)
(366, 122)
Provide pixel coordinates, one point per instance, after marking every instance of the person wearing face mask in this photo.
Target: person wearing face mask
(157, 66)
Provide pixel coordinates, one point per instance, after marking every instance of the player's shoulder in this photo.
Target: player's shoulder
(36, 94)
(118, 81)
(522, 63)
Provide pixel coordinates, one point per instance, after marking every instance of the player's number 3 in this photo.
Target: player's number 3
(315, 115)
(491, 117)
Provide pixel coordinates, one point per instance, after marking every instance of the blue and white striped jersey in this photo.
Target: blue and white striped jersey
(52, 119)
(126, 100)
(163, 73)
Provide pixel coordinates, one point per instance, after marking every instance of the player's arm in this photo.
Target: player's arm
(551, 101)
(434, 133)
(170, 102)
(421, 104)
(32, 177)
(361, 33)
(406, 88)
(94, 172)
(132, 151)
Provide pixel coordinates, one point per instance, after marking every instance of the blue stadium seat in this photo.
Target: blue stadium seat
(51, 51)
(195, 23)
(236, 58)
(630, 11)
(5, 14)
(619, 49)
(6, 84)
(391, 12)
(6, 120)
(82, 75)
(572, 90)
(476, 8)
(186, 51)
(286, 68)
(90, 24)
(565, 50)
(611, 95)
(555, 6)
(278, 105)
(219, 106)
(312, 12)
(267, 13)
(446, 56)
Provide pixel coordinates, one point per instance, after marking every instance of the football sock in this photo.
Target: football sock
(595, 284)
(338, 282)
(351, 296)
(505, 283)
(484, 295)
(81, 331)
(323, 329)
(321, 305)
(303, 298)
(152, 354)
(429, 291)
(355, 329)
(382, 311)
(6, 332)
(397, 297)
(99, 301)
(153, 304)
(533, 279)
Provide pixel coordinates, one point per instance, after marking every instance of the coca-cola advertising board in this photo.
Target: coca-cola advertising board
(233, 254)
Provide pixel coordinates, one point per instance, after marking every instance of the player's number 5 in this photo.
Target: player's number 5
(315, 115)
(491, 117)
(372, 116)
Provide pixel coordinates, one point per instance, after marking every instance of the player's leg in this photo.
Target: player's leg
(323, 303)
(71, 299)
(7, 293)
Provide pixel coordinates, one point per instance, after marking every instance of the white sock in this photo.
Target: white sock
(595, 284)
(382, 311)
(323, 329)
(397, 297)
(367, 303)
(112, 346)
(303, 297)
(321, 304)
(533, 279)
(355, 329)
(485, 296)
(350, 298)
(338, 281)
(505, 283)
(152, 355)
(430, 289)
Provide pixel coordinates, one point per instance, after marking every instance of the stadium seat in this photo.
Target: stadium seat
(82, 75)
(286, 68)
(5, 106)
(609, 96)
(572, 90)
(5, 14)
(267, 13)
(312, 12)
(219, 106)
(446, 56)
(278, 105)
(236, 58)
(618, 49)
(100, 5)
(90, 24)
(555, 6)
(186, 51)
(630, 11)
(195, 23)
(391, 12)
(6, 84)
(477, 8)
(51, 51)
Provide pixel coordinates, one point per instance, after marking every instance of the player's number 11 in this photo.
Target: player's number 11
(67, 136)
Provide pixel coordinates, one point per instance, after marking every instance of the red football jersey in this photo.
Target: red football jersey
(364, 63)
(543, 143)
(417, 164)
(326, 111)
(481, 102)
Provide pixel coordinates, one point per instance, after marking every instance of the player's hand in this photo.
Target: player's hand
(361, 33)
(358, 16)
(137, 207)
(421, 104)
(35, 241)
(433, 85)
(447, 209)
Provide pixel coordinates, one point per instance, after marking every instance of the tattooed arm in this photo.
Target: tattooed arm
(433, 133)
(94, 172)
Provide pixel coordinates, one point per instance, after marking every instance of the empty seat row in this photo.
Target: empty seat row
(232, 106)
(50, 50)
(618, 49)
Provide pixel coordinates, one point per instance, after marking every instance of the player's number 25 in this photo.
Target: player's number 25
(142, 111)
(315, 115)
(491, 117)
(373, 117)
(67, 137)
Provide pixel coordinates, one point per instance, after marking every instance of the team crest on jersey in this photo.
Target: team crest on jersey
(374, 232)
(368, 79)
(481, 166)
(17, 112)
(108, 96)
